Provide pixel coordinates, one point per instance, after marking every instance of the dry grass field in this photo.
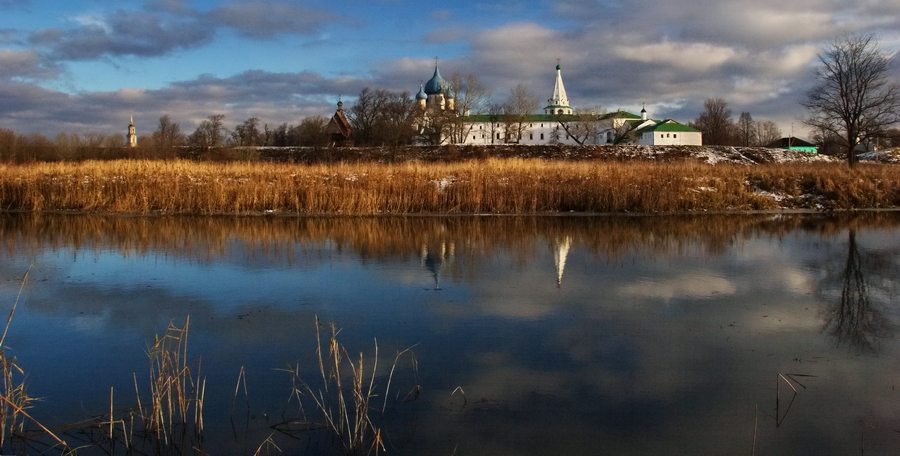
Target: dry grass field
(498, 186)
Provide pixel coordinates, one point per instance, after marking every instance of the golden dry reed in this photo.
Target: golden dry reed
(176, 391)
(507, 186)
(345, 400)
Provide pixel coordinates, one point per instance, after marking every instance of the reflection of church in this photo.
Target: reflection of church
(436, 260)
(441, 257)
(436, 102)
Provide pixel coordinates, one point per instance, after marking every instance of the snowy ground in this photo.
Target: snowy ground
(710, 154)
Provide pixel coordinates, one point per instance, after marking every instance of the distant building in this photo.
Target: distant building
(131, 137)
(792, 143)
(557, 125)
(338, 128)
(667, 133)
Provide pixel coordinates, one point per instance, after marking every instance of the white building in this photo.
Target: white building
(668, 133)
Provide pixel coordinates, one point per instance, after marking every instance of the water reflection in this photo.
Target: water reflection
(854, 321)
(636, 335)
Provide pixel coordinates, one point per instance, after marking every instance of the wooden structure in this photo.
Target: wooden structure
(338, 129)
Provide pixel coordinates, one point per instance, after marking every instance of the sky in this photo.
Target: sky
(79, 66)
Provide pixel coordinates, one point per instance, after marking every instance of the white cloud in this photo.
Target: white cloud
(694, 285)
(692, 57)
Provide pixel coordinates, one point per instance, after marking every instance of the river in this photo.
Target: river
(715, 334)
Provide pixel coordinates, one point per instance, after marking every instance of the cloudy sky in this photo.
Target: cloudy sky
(87, 65)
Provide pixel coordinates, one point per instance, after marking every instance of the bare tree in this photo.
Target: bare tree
(715, 122)
(495, 116)
(363, 115)
(168, 133)
(518, 107)
(767, 132)
(166, 138)
(746, 129)
(892, 137)
(854, 97)
(829, 143)
(471, 98)
(247, 133)
(8, 147)
(311, 131)
(583, 126)
(395, 122)
(210, 132)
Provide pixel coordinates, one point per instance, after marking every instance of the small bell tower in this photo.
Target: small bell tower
(131, 137)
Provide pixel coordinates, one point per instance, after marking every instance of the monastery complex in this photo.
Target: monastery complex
(558, 124)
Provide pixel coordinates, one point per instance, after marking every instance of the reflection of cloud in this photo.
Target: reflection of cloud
(695, 285)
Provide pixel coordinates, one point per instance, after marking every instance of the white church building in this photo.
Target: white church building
(558, 124)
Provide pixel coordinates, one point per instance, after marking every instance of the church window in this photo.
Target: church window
(674, 135)
(531, 136)
(542, 136)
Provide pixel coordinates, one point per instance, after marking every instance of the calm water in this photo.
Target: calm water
(564, 335)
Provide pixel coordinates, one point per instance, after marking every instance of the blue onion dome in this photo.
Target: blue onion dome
(436, 85)
(421, 95)
(450, 94)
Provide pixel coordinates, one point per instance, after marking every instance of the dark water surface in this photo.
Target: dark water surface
(564, 335)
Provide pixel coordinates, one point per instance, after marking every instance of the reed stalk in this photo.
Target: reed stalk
(14, 399)
(176, 391)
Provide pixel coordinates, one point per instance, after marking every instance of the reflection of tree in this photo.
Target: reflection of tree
(854, 322)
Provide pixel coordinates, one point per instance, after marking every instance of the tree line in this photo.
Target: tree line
(719, 127)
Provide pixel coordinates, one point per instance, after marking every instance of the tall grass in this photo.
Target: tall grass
(509, 186)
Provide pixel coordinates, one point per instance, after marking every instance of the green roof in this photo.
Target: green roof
(669, 125)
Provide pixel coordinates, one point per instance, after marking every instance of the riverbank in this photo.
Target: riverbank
(494, 186)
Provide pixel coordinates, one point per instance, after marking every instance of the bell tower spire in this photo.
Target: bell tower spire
(559, 102)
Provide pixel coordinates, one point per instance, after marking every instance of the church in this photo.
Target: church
(438, 122)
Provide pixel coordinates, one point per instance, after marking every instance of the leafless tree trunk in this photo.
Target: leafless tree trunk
(516, 111)
(381, 118)
(210, 132)
(767, 132)
(747, 129)
(471, 98)
(715, 122)
(583, 126)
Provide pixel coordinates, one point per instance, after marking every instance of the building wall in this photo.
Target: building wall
(538, 133)
(664, 138)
